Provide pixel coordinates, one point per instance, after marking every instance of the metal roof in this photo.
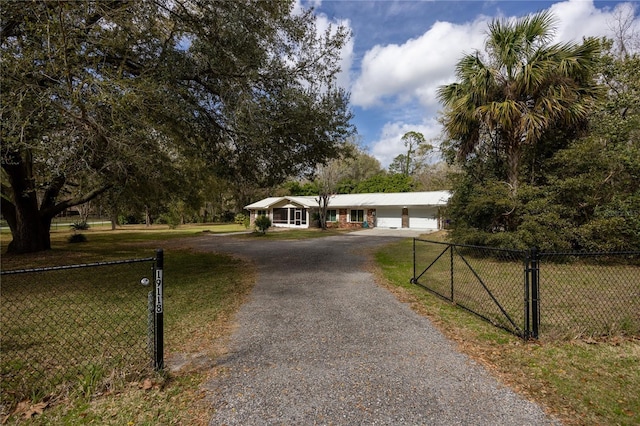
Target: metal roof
(264, 204)
(391, 199)
(388, 199)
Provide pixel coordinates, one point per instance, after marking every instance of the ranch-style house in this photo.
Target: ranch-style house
(415, 210)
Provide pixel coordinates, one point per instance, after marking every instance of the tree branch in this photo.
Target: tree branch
(65, 204)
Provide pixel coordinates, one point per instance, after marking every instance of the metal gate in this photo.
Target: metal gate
(571, 295)
(485, 281)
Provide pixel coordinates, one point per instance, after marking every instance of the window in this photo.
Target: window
(357, 216)
(280, 215)
(332, 215)
(261, 213)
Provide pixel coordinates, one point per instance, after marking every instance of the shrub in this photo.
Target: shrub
(80, 226)
(171, 219)
(242, 219)
(262, 223)
(130, 219)
(77, 238)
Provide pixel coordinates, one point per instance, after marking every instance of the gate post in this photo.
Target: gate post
(158, 337)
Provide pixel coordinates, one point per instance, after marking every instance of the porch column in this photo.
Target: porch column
(405, 217)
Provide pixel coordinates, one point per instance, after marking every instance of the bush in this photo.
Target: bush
(129, 219)
(227, 217)
(80, 226)
(77, 238)
(263, 223)
(242, 219)
(171, 218)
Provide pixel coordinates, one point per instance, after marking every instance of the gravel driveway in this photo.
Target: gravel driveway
(319, 342)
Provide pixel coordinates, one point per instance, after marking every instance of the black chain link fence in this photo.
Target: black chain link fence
(482, 280)
(530, 294)
(77, 329)
(589, 294)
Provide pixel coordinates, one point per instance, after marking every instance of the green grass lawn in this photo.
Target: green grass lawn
(580, 381)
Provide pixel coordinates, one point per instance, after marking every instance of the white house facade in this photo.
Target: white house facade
(415, 210)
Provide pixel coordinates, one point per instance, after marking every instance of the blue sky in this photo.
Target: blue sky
(402, 50)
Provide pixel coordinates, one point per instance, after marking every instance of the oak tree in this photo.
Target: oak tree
(96, 95)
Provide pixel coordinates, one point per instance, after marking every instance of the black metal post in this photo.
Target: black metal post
(535, 294)
(451, 262)
(158, 338)
(527, 286)
(413, 281)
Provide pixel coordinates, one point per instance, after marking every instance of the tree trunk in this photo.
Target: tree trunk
(323, 203)
(30, 231)
(30, 222)
(513, 166)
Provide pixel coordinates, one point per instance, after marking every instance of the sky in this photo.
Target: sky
(401, 51)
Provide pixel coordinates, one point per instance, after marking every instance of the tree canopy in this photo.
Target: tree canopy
(576, 182)
(411, 162)
(524, 88)
(109, 94)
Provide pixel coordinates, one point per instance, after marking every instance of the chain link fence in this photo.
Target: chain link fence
(75, 329)
(482, 280)
(589, 294)
(531, 294)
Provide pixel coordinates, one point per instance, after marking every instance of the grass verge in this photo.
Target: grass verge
(202, 292)
(578, 382)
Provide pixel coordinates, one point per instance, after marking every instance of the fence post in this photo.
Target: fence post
(451, 265)
(527, 300)
(413, 281)
(158, 338)
(535, 293)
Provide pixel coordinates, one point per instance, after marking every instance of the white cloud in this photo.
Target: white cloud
(417, 67)
(577, 19)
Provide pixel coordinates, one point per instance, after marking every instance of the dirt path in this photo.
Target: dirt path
(319, 342)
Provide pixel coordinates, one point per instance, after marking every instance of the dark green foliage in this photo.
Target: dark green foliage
(384, 182)
(578, 185)
(77, 238)
(306, 189)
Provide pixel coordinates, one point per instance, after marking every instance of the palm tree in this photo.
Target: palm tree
(526, 87)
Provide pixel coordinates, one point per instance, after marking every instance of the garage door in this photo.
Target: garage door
(423, 217)
(389, 217)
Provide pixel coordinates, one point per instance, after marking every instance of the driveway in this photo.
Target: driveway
(318, 342)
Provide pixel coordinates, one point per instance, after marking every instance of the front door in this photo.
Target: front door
(298, 217)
